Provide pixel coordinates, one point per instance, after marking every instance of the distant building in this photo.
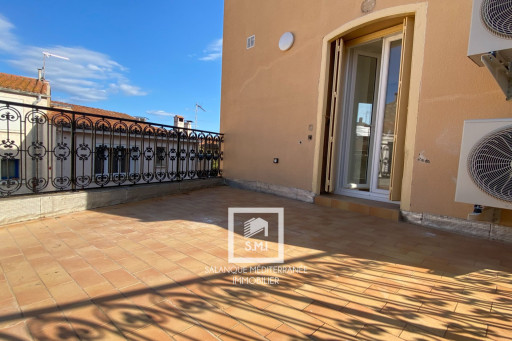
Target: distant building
(179, 121)
(63, 146)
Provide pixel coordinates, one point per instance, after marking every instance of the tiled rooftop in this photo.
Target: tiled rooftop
(20, 83)
(138, 271)
(89, 110)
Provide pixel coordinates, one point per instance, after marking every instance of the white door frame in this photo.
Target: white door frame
(378, 111)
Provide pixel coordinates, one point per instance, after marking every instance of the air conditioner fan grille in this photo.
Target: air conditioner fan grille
(497, 17)
(490, 164)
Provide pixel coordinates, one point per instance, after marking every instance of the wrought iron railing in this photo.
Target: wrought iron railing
(46, 149)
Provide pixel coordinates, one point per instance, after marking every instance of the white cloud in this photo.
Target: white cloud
(87, 75)
(131, 90)
(213, 51)
(159, 113)
(8, 41)
(127, 89)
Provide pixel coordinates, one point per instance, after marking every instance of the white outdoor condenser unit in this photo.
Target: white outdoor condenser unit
(485, 164)
(490, 40)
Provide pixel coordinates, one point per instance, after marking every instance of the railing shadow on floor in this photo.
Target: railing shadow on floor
(174, 307)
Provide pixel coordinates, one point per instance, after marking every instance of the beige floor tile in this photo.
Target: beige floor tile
(87, 277)
(18, 331)
(169, 318)
(255, 319)
(388, 324)
(215, 320)
(5, 290)
(68, 293)
(152, 332)
(19, 277)
(413, 333)
(285, 332)
(374, 332)
(142, 295)
(143, 266)
(10, 312)
(327, 332)
(54, 276)
(120, 278)
(126, 316)
(51, 327)
(332, 316)
(72, 264)
(195, 333)
(241, 332)
(103, 264)
(299, 320)
(132, 263)
(30, 293)
(102, 290)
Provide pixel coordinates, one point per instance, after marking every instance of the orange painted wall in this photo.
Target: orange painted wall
(270, 97)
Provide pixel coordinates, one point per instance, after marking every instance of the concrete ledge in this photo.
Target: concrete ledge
(501, 233)
(373, 208)
(282, 191)
(361, 206)
(478, 229)
(22, 208)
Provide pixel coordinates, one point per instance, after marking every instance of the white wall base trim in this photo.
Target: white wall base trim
(21, 208)
(282, 191)
(479, 229)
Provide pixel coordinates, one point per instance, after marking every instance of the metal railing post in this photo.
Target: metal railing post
(73, 153)
(178, 156)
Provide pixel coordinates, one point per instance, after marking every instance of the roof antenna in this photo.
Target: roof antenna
(200, 107)
(48, 54)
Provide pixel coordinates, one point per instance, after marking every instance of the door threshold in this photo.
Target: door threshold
(384, 210)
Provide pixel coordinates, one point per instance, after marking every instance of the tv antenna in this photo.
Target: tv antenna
(200, 107)
(48, 55)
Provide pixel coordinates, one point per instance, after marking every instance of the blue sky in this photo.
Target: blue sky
(144, 58)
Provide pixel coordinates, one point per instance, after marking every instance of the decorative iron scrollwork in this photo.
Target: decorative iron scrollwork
(61, 151)
(183, 154)
(49, 149)
(9, 186)
(36, 117)
(8, 113)
(101, 179)
(61, 183)
(148, 154)
(36, 150)
(83, 152)
(134, 177)
(83, 181)
(36, 184)
(9, 149)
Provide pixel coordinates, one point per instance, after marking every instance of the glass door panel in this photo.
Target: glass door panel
(361, 126)
(388, 114)
(373, 73)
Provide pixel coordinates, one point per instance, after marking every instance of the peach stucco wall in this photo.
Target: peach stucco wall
(270, 98)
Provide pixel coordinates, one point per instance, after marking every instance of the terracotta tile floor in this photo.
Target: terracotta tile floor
(141, 271)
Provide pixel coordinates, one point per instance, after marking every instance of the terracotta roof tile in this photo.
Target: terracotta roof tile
(115, 117)
(26, 84)
(89, 110)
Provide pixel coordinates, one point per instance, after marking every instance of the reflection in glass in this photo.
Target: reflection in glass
(388, 128)
(364, 92)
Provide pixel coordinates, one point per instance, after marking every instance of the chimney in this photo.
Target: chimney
(188, 124)
(40, 74)
(179, 121)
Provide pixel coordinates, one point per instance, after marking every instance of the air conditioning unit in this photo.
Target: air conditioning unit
(485, 164)
(490, 40)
